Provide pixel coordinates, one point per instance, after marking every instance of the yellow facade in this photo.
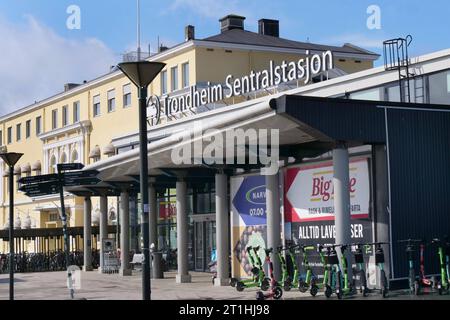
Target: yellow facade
(75, 141)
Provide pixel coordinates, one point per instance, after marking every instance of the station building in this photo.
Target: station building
(356, 163)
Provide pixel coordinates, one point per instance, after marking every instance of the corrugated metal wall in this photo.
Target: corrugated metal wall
(419, 144)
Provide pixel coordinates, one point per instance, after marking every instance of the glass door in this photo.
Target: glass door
(210, 241)
(199, 246)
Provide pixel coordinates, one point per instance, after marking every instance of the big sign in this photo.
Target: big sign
(310, 194)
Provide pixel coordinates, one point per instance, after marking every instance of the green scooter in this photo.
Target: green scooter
(328, 291)
(309, 282)
(254, 269)
(359, 260)
(259, 277)
(443, 284)
(345, 288)
(334, 267)
(287, 281)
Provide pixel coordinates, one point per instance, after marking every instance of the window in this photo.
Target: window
(111, 100)
(370, 94)
(28, 129)
(174, 78)
(18, 132)
(439, 87)
(65, 116)
(76, 112)
(127, 95)
(74, 156)
(185, 74)
(96, 106)
(164, 82)
(63, 158)
(38, 125)
(52, 168)
(1, 137)
(9, 135)
(54, 119)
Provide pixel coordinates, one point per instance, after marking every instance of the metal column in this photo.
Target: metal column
(273, 219)
(342, 197)
(222, 231)
(125, 269)
(183, 275)
(103, 226)
(87, 235)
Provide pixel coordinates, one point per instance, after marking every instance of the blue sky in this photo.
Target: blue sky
(34, 32)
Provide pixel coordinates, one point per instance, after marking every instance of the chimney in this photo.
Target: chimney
(70, 86)
(269, 27)
(231, 22)
(189, 33)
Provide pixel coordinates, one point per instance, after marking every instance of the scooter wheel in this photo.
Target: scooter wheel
(233, 282)
(302, 286)
(265, 284)
(287, 286)
(339, 295)
(328, 291)
(277, 293)
(212, 279)
(314, 290)
(260, 295)
(384, 292)
(240, 286)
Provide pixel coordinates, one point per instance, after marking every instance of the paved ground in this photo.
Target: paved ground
(95, 286)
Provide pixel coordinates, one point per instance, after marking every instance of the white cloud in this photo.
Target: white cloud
(358, 39)
(36, 62)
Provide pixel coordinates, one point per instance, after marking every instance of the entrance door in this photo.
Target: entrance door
(204, 242)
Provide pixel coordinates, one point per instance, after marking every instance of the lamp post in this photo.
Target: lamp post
(11, 158)
(142, 73)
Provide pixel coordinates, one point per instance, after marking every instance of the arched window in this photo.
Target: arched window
(74, 156)
(52, 168)
(63, 158)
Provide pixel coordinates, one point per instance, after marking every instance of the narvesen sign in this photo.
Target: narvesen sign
(310, 194)
(304, 69)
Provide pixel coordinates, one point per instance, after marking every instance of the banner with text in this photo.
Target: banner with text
(248, 220)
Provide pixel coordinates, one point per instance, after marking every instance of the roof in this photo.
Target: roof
(240, 36)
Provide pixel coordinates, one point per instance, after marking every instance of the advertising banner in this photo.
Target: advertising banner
(309, 205)
(309, 194)
(248, 220)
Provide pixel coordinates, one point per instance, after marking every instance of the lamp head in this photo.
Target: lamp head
(11, 158)
(141, 73)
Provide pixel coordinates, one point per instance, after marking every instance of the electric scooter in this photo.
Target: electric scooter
(259, 278)
(275, 291)
(254, 270)
(426, 285)
(379, 262)
(285, 279)
(309, 282)
(415, 285)
(345, 288)
(443, 284)
(335, 271)
(328, 291)
(359, 260)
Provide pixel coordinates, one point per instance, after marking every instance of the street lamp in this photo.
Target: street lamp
(142, 73)
(11, 158)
